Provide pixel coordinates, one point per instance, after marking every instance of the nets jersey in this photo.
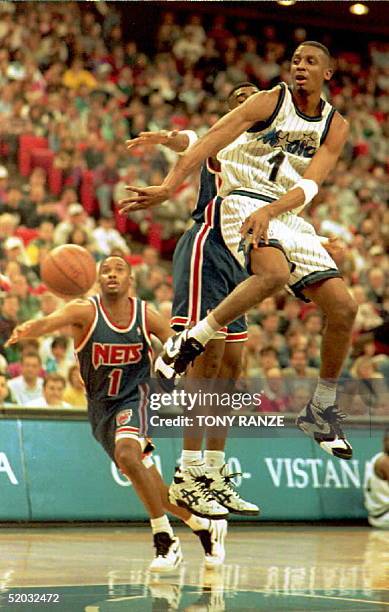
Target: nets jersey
(114, 361)
(208, 189)
(271, 157)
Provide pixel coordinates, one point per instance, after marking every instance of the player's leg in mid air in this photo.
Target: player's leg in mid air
(211, 533)
(270, 271)
(321, 418)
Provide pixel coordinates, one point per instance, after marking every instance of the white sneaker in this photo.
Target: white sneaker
(223, 489)
(168, 555)
(212, 540)
(192, 493)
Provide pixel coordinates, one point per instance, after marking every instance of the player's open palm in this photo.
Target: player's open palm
(162, 137)
(20, 332)
(143, 198)
(256, 225)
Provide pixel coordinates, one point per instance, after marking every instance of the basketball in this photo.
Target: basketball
(68, 270)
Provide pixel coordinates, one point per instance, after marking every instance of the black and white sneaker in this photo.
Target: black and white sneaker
(324, 427)
(212, 541)
(223, 489)
(192, 493)
(178, 352)
(168, 555)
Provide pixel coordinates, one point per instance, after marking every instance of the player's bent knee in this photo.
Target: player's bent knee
(343, 312)
(128, 456)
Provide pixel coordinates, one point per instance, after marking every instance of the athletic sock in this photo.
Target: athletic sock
(214, 460)
(204, 330)
(197, 523)
(193, 462)
(325, 394)
(161, 524)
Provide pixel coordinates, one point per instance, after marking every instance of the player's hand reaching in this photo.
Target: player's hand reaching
(21, 331)
(162, 137)
(255, 227)
(142, 198)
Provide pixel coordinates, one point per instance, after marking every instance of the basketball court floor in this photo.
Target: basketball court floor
(268, 567)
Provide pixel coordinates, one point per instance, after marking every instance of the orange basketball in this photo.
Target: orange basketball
(68, 270)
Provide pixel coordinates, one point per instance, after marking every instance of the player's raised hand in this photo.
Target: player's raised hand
(143, 198)
(256, 226)
(20, 332)
(147, 139)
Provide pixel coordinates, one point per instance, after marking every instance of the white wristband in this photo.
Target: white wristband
(192, 138)
(310, 189)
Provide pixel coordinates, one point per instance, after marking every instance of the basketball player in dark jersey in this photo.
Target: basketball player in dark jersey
(112, 340)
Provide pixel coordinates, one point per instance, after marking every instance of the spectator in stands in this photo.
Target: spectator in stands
(105, 178)
(58, 361)
(299, 374)
(15, 204)
(28, 386)
(29, 303)
(75, 391)
(77, 76)
(273, 397)
(77, 218)
(5, 396)
(52, 393)
(107, 237)
(8, 320)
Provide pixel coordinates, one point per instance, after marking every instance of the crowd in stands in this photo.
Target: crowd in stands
(73, 89)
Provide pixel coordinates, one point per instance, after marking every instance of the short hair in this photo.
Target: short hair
(27, 354)
(53, 377)
(318, 45)
(268, 349)
(117, 257)
(240, 85)
(60, 341)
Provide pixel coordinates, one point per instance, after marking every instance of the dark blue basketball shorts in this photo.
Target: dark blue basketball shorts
(204, 273)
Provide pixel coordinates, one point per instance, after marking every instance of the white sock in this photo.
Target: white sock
(214, 460)
(325, 394)
(205, 330)
(161, 524)
(193, 462)
(197, 523)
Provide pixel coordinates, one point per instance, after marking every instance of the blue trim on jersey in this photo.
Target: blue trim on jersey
(327, 125)
(262, 125)
(207, 192)
(303, 115)
(252, 194)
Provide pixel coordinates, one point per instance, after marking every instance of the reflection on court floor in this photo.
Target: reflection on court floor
(277, 568)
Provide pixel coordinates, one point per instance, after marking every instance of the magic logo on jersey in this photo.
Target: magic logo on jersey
(296, 143)
(116, 354)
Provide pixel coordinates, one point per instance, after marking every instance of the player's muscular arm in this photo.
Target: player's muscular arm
(258, 107)
(323, 162)
(158, 325)
(78, 313)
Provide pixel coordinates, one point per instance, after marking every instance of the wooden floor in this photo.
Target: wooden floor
(277, 568)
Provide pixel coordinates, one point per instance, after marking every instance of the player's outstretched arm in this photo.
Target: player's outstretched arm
(175, 140)
(78, 313)
(158, 325)
(258, 107)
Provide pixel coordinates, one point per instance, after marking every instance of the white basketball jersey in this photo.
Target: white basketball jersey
(376, 491)
(272, 156)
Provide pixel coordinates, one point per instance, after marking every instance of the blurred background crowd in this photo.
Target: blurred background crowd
(75, 86)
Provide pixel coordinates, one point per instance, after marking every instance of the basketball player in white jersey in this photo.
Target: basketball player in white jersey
(377, 488)
(278, 148)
